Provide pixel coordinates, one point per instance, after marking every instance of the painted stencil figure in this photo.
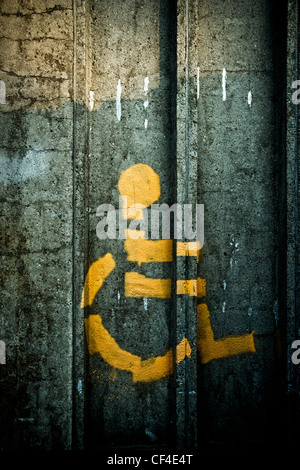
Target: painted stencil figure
(139, 186)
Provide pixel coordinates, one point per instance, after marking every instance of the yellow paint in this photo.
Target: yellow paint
(135, 211)
(101, 342)
(183, 350)
(138, 285)
(134, 234)
(188, 249)
(140, 185)
(97, 272)
(193, 287)
(149, 251)
(210, 349)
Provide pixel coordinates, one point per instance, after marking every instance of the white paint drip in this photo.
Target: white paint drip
(224, 84)
(224, 285)
(2, 352)
(235, 249)
(249, 98)
(2, 92)
(92, 100)
(119, 296)
(118, 100)
(79, 386)
(146, 84)
(146, 102)
(198, 82)
(250, 311)
(145, 303)
(224, 307)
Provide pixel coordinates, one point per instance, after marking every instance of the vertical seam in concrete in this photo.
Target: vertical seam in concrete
(296, 175)
(74, 226)
(187, 104)
(174, 249)
(187, 412)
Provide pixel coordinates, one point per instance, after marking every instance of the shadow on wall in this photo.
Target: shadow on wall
(46, 164)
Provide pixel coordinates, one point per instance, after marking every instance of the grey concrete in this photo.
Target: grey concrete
(36, 224)
(62, 149)
(292, 216)
(237, 184)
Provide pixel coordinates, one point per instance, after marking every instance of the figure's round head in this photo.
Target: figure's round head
(140, 184)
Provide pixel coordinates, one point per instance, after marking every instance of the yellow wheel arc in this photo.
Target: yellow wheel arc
(100, 341)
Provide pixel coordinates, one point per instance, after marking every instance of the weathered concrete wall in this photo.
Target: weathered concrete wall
(292, 218)
(36, 56)
(238, 164)
(194, 92)
(129, 47)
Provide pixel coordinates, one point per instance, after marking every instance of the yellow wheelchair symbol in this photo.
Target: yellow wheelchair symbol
(140, 185)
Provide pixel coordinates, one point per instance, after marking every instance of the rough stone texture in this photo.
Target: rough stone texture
(128, 43)
(36, 224)
(62, 149)
(292, 219)
(238, 188)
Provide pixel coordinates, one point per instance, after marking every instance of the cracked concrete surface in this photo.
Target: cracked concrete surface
(60, 158)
